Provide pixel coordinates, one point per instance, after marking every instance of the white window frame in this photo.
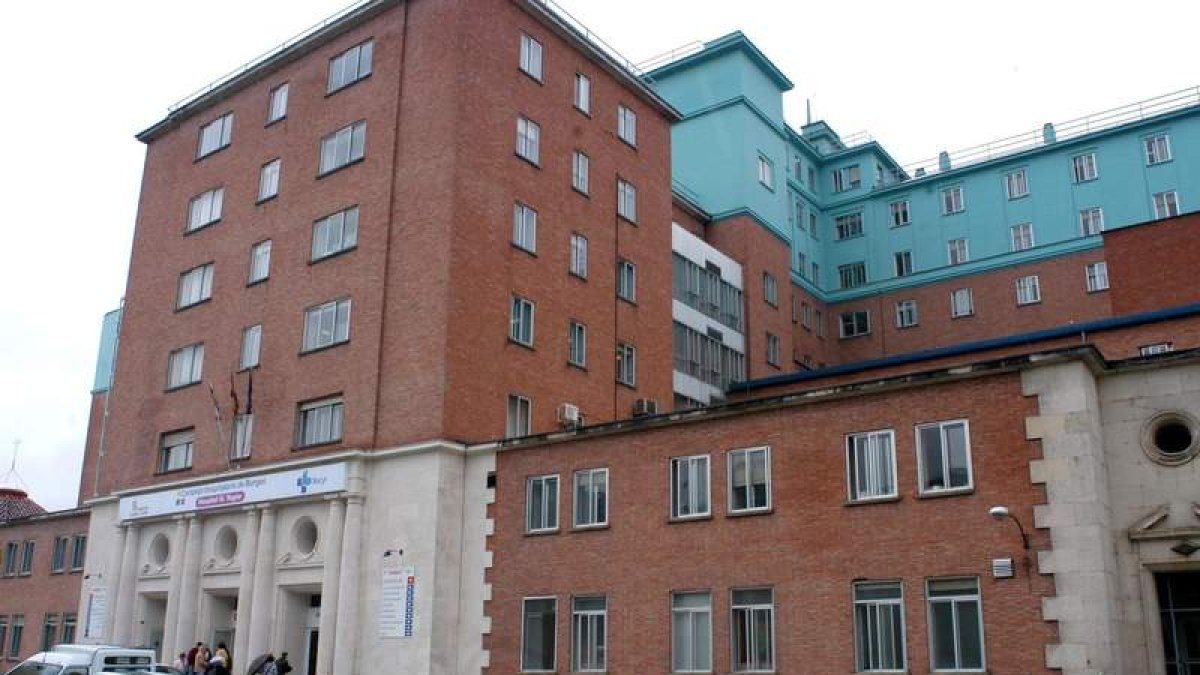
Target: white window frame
(874, 468)
(338, 332)
(691, 613)
(584, 640)
(521, 318)
(955, 599)
(627, 364)
(901, 213)
(748, 453)
(583, 94)
(1091, 221)
(1166, 204)
(519, 413)
(260, 262)
(550, 511)
(1016, 184)
(350, 66)
(183, 441)
(1084, 167)
(955, 310)
(249, 356)
(277, 103)
(525, 227)
(554, 651)
(205, 208)
(770, 289)
(1158, 149)
(903, 263)
(848, 226)
(695, 468)
(958, 251)
(334, 407)
(1021, 237)
(577, 342)
(943, 426)
(580, 172)
(847, 178)
(185, 366)
(749, 623)
(268, 180)
(627, 124)
(529, 140)
(579, 255)
(593, 505)
(766, 172)
(626, 200)
(842, 323)
(953, 200)
(1096, 275)
(772, 349)
(1029, 290)
(1156, 348)
(627, 280)
(531, 55)
(873, 630)
(242, 437)
(195, 286)
(343, 147)
(334, 234)
(215, 136)
(906, 313)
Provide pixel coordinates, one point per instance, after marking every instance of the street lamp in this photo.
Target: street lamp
(1002, 512)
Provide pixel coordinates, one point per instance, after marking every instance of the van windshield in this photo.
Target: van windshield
(31, 668)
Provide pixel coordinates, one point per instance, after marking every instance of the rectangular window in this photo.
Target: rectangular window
(906, 313)
(520, 417)
(1016, 184)
(691, 632)
(49, 632)
(798, 210)
(335, 233)
(10, 560)
(812, 224)
(260, 261)
(529, 139)
(1083, 167)
(1021, 236)
(855, 323)
(627, 201)
(27, 558)
(268, 180)
(350, 66)
(944, 456)
(78, 551)
(819, 323)
(1029, 290)
(539, 626)
(871, 465)
(690, 487)
(319, 422)
(580, 167)
(1158, 149)
(846, 178)
(1091, 221)
(577, 344)
(215, 135)
(68, 629)
(525, 227)
(766, 172)
(251, 346)
(58, 558)
(962, 303)
(3, 635)
(541, 503)
(900, 213)
(327, 324)
(1097, 276)
(852, 275)
(750, 479)
(626, 364)
(531, 57)
(879, 626)
(772, 349)
(520, 324)
(277, 103)
(806, 315)
(904, 265)
(185, 366)
(591, 497)
(627, 125)
(342, 147)
(583, 93)
(243, 437)
(588, 634)
(15, 633)
(955, 624)
(952, 200)
(957, 251)
(627, 280)
(1156, 348)
(848, 226)
(579, 255)
(175, 451)
(1166, 204)
(195, 286)
(770, 289)
(752, 630)
(205, 208)
(812, 179)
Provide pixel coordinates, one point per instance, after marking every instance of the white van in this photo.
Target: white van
(85, 660)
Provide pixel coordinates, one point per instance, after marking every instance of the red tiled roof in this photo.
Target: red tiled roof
(16, 504)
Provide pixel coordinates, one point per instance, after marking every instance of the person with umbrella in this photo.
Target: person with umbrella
(259, 663)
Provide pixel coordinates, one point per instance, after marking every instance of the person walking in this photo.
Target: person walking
(200, 663)
(180, 662)
(189, 663)
(270, 667)
(226, 658)
(282, 665)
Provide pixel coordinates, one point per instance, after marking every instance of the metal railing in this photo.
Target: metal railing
(587, 34)
(670, 56)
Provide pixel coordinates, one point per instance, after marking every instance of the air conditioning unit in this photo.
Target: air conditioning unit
(645, 406)
(569, 416)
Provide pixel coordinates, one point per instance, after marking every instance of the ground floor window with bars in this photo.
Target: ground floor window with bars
(752, 630)
(879, 626)
(955, 624)
(871, 465)
(589, 618)
(691, 632)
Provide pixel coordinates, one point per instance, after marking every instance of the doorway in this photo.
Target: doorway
(1179, 611)
(310, 651)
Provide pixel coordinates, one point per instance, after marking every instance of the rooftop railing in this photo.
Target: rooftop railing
(587, 34)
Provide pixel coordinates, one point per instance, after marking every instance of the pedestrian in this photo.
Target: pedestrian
(180, 662)
(270, 668)
(282, 665)
(189, 663)
(223, 654)
(200, 663)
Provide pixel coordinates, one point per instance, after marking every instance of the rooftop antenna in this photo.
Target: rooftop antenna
(808, 111)
(12, 476)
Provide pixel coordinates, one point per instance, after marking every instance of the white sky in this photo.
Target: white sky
(82, 77)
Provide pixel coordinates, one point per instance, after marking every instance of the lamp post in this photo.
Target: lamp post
(1002, 512)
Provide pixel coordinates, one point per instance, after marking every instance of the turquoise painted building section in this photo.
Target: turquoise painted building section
(106, 358)
(731, 97)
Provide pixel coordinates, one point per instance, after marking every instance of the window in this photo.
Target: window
(626, 280)
(627, 201)
(215, 135)
(819, 323)
(68, 629)
(14, 636)
(27, 558)
(205, 208)
(806, 315)
(268, 180)
(871, 465)
(1158, 149)
(580, 165)
(1091, 221)
(961, 303)
(1156, 348)
(531, 57)
(342, 147)
(812, 224)
(520, 417)
(900, 213)
(772, 349)
(583, 93)
(766, 172)
(525, 227)
(855, 323)
(541, 503)
(906, 313)
(529, 139)
(58, 558)
(955, 624)
(750, 479)
(520, 325)
(1097, 276)
(335, 233)
(277, 103)
(1083, 167)
(591, 497)
(175, 451)
(626, 364)
(904, 265)
(852, 275)
(952, 200)
(185, 366)
(78, 551)
(1166, 204)
(691, 632)
(798, 210)
(627, 125)
(1028, 290)
(10, 558)
(752, 630)
(243, 437)
(690, 486)
(260, 261)
(879, 626)
(588, 639)
(538, 628)
(350, 66)
(848, 226)
(251, 346)
(770, 290)
(705, 356)
(577, 344)
(579, 255)
(1022, 236)
(319, 422)
(327, 324)
(195, 286)
(846, 178)
(958, 251)
(49, 632)
(1016, 184)
(944, 456)
(3, 635)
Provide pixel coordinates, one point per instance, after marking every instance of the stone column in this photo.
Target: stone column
(112, 580)
(330, 579)
(175, 572)
(189, 596)
(127, 594)
(346, 643)
(263, 599)
(248, 551)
